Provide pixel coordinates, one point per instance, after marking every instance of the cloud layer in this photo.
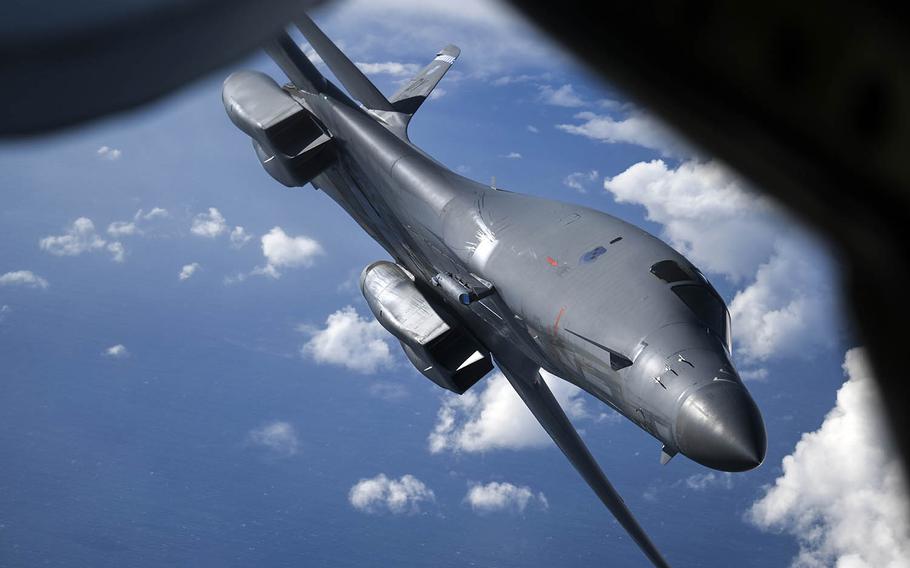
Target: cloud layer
(350, 341)
(842, 493)
(381, 494)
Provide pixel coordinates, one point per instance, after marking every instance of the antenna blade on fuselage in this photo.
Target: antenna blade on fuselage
(525, 378)
(350, 76)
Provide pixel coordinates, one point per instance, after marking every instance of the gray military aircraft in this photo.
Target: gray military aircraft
(481, 274)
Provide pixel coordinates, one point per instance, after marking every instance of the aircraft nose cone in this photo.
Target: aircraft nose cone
(720, 426)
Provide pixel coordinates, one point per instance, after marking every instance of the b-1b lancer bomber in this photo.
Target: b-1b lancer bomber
(480, 275)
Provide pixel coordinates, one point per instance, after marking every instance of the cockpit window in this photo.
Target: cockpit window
(709, 308)
(669, 271)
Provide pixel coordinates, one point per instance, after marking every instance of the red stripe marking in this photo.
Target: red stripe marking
(552, 261)
(562, 310)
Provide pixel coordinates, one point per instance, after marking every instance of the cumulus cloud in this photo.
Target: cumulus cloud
(350, 341)
(632, 127)
(119, 229)
(579, 180)
(108, 153)
(842, 493)
(564, 96)
(79, 238)
(533, 129)
(154, 213)
(209, 224)
(239, 237)
(786, 307)
(496, 418)
(188, 270)
(25, 278)
(397, 496)
(278, 438)
(118, 351)
(503, 496)
(284, 251)
(512, 156)
(118, 252)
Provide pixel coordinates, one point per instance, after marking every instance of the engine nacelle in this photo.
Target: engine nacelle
(290, 142)
(446, 355)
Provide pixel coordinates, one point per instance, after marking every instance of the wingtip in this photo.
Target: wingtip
(450, 50)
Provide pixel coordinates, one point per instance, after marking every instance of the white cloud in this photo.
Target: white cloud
(496, 418)
(25, 278)
(503, 496)
(119, 229)
(512, 156)
(108, 153)
(188, 270)
(284, 251)
(350, 341)
(579, 180)
(438, 93)
(118, 351)
(635, 127)
(394, 68)
(702, 481)
(118, 253)
(786, 307)
(278, 437)
(81, 237)
(4, 310)
(564, 96)
(842, 493)
(523, 78)
(382, 494)
(154, 213)
(239, 237)
(209, 225)
(532, 128)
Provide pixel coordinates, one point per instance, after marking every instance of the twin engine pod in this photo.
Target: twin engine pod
(290, 142)
(446, 355)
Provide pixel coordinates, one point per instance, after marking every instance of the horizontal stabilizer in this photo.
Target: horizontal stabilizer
(350, 76)
(525, 378)
(411, 96)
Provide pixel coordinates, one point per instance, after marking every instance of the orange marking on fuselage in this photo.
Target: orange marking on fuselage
(552, 261)
(562, 310)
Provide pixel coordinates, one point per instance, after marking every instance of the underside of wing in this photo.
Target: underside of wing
(524, 376)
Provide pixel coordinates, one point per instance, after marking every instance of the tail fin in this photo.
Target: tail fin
(350, 76)
(411, 96)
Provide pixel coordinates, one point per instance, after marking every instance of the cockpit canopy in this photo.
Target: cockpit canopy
(690, 286)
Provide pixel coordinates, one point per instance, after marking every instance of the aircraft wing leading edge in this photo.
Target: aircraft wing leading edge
(525, 378)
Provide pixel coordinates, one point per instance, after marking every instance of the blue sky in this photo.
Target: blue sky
(178, 391)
